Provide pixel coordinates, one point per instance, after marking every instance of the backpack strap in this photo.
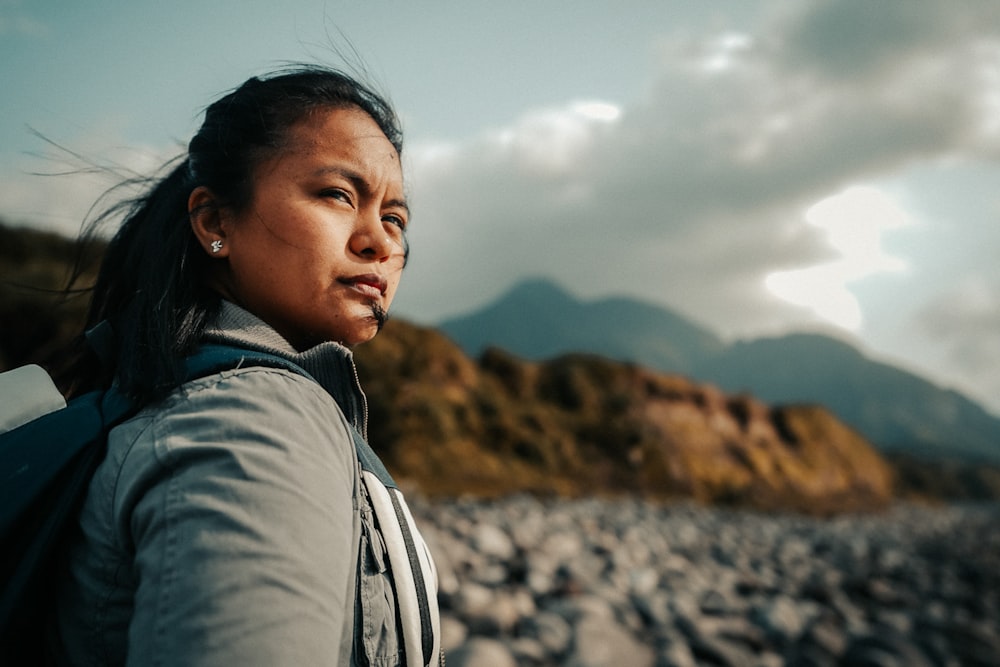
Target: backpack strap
(215, 357)
(413, 572)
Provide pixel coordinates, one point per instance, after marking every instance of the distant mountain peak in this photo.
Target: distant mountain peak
(537, 290)
(539, 319)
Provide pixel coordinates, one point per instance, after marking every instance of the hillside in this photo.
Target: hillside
(895, 409)
(36, 316)
(580, 425)
(898, 411)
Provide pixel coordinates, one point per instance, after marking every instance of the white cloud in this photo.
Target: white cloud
(551, 140)
(854, 222)
(58, 188)
(698, 182)
(595, 110)
(724, 51)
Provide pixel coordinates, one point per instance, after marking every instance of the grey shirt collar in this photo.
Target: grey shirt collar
(330, 363)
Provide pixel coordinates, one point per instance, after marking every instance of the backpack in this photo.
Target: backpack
(45, 467)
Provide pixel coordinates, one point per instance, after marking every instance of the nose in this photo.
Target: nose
(370, 239)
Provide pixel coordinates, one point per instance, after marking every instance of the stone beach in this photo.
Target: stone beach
(592, 583)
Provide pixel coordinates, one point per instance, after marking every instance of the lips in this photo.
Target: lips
(369, 284)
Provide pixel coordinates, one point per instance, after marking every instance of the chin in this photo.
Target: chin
(362, 334)
(365, 327)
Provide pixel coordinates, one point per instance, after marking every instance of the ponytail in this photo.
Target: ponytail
(150, 295)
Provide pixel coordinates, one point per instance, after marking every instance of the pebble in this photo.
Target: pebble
(589, 583)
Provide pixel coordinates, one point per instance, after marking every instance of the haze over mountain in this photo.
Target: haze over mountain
(895, 409)
(537, 319)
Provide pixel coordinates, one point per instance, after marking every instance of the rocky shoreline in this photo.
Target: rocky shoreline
(590, 583)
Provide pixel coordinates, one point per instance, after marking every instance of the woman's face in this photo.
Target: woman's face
(319, 251)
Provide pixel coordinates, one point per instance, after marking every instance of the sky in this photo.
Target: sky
(760, 167)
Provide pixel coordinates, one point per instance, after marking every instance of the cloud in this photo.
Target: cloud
(965, 320)
(698, 190)
(58, 188)
(926, 67)
(853, 40)
(854, 221)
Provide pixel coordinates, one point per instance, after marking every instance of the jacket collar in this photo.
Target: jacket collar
(330, 363)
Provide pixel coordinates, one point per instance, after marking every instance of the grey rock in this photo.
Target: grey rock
(495, 614)
(716, 603)
(473, 599)
(654, 608)
(783, 618)
(600, 642)
(491, 574)
(886, 649)
(676, 653)
(643, 581)
(527, 651)
(685, 585)
(481, 652)
(551, 630)
(453, 632)
(718, 651)
(825, 634)
(491, 541)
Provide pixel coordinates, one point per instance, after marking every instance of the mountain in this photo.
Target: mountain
(583, 425)
(538, 320)
(899, 411)
(896, 410)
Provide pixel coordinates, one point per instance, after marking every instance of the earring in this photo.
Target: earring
(216, 246)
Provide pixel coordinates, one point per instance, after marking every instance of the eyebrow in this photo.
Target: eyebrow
(361, 184)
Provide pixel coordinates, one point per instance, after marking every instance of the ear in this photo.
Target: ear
(208, 222)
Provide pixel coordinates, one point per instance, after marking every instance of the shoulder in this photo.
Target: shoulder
(248, 392)
(270, 414)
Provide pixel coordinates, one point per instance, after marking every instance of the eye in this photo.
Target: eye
(395, 220)
(338, 194)
(396, 228)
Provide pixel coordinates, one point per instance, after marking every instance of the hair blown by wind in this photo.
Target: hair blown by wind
(152, 287)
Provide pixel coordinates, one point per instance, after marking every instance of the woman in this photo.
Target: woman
(240, 518)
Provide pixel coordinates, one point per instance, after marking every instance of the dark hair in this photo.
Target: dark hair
(151, 286)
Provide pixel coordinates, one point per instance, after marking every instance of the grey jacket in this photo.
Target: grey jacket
(230, 524)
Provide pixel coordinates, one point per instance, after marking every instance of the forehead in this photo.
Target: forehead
(348, 133)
